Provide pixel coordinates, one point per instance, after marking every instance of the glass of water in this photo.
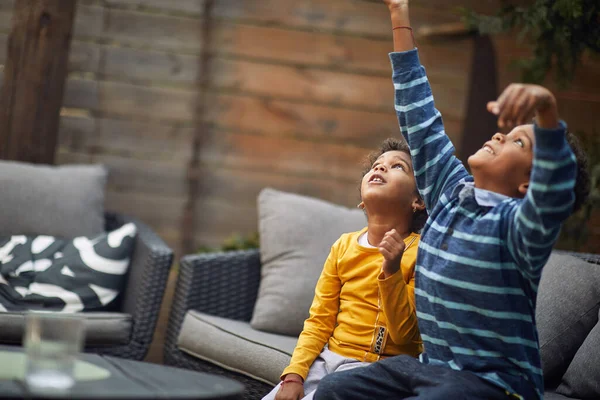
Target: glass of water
(52, 342)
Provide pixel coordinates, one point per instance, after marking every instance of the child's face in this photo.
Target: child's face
(391, 179)
(503, 164)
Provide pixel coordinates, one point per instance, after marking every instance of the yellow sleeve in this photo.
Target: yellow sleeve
(319, 326)
(398, 300)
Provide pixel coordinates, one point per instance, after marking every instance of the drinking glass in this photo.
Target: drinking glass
(52, 342)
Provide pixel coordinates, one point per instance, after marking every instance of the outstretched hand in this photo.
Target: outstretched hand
(392, 248)
(519, 103)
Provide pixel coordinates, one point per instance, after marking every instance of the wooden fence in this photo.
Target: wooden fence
(279, 93)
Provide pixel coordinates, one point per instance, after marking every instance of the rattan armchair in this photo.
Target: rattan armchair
(143, 294)
(221, 284)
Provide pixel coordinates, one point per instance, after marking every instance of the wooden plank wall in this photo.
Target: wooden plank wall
(299, 92)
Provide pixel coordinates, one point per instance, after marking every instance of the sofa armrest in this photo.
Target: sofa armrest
(223, 284)
(146, 281)
(589, 257)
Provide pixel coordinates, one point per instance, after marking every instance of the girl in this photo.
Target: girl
(364, 307)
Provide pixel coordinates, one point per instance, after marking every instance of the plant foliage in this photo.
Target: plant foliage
(559, 31)
(235, 242)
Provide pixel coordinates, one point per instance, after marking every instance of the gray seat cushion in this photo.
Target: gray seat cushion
(101, 328)
(556, 396)
(567, 310)
(582, 379)
(65, 201)
(235, 346)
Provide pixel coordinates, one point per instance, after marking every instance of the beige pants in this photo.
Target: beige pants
(327, 363)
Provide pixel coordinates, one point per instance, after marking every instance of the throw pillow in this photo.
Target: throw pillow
(82, 274)
(296, 235)
(65, 201)
(582, 379)
(567, 310)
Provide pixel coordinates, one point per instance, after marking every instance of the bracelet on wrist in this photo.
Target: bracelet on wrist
(410, 30)
(292, 381)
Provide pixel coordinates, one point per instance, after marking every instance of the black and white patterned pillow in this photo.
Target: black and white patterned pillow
(81, 274)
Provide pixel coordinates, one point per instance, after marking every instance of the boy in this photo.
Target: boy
(483, 247)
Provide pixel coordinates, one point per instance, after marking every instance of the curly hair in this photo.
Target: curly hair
(393, 144)
(582, 182)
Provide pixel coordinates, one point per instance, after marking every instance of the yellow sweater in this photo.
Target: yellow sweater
(357, 312)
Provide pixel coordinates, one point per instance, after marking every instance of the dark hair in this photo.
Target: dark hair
(582, 182)
(393, 144)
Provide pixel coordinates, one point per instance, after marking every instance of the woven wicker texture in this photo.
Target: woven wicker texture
(146, 283)
(222, 284)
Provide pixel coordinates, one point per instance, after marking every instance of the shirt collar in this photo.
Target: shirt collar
(486, 198)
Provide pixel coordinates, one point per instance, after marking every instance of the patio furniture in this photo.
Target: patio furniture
(103, 377)
(219, 290)
(224, 285)
(127, 329)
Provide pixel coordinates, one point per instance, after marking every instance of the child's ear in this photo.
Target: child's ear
(418, 204)
(523, 188)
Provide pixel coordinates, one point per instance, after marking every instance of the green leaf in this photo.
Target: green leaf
(559, 32)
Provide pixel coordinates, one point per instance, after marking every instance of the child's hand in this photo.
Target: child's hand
(391, 247)
(392, 4)
(520, 102)
(291, 390)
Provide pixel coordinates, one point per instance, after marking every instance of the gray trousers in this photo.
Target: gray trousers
(326, 363)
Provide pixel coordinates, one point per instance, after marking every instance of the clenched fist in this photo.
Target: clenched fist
(392, 248)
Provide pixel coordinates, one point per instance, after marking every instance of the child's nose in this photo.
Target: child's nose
(498, 137)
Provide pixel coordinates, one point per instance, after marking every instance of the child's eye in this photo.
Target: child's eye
(520, 143)
(398, 166)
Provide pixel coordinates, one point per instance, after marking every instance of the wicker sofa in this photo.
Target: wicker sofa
(225, 285)
(127, 329)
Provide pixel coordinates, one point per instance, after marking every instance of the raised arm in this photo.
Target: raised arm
(536, 221)
(436, 167)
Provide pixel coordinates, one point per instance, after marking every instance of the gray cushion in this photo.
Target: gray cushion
(582, 379)
(567, 310)
(235, 346)
(555, 396)
(101, 328)
(296, 235)
(65, 201)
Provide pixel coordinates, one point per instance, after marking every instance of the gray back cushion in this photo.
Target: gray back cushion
(567, 309)
(582, 379)
(65, 201)
(296, 235)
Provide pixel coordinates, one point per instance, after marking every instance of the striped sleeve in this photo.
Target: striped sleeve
(435, 166)
(536, 223)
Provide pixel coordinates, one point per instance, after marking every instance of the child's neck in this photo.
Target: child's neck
(377, 228)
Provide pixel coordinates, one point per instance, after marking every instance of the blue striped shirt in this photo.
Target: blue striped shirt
(480, 257)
